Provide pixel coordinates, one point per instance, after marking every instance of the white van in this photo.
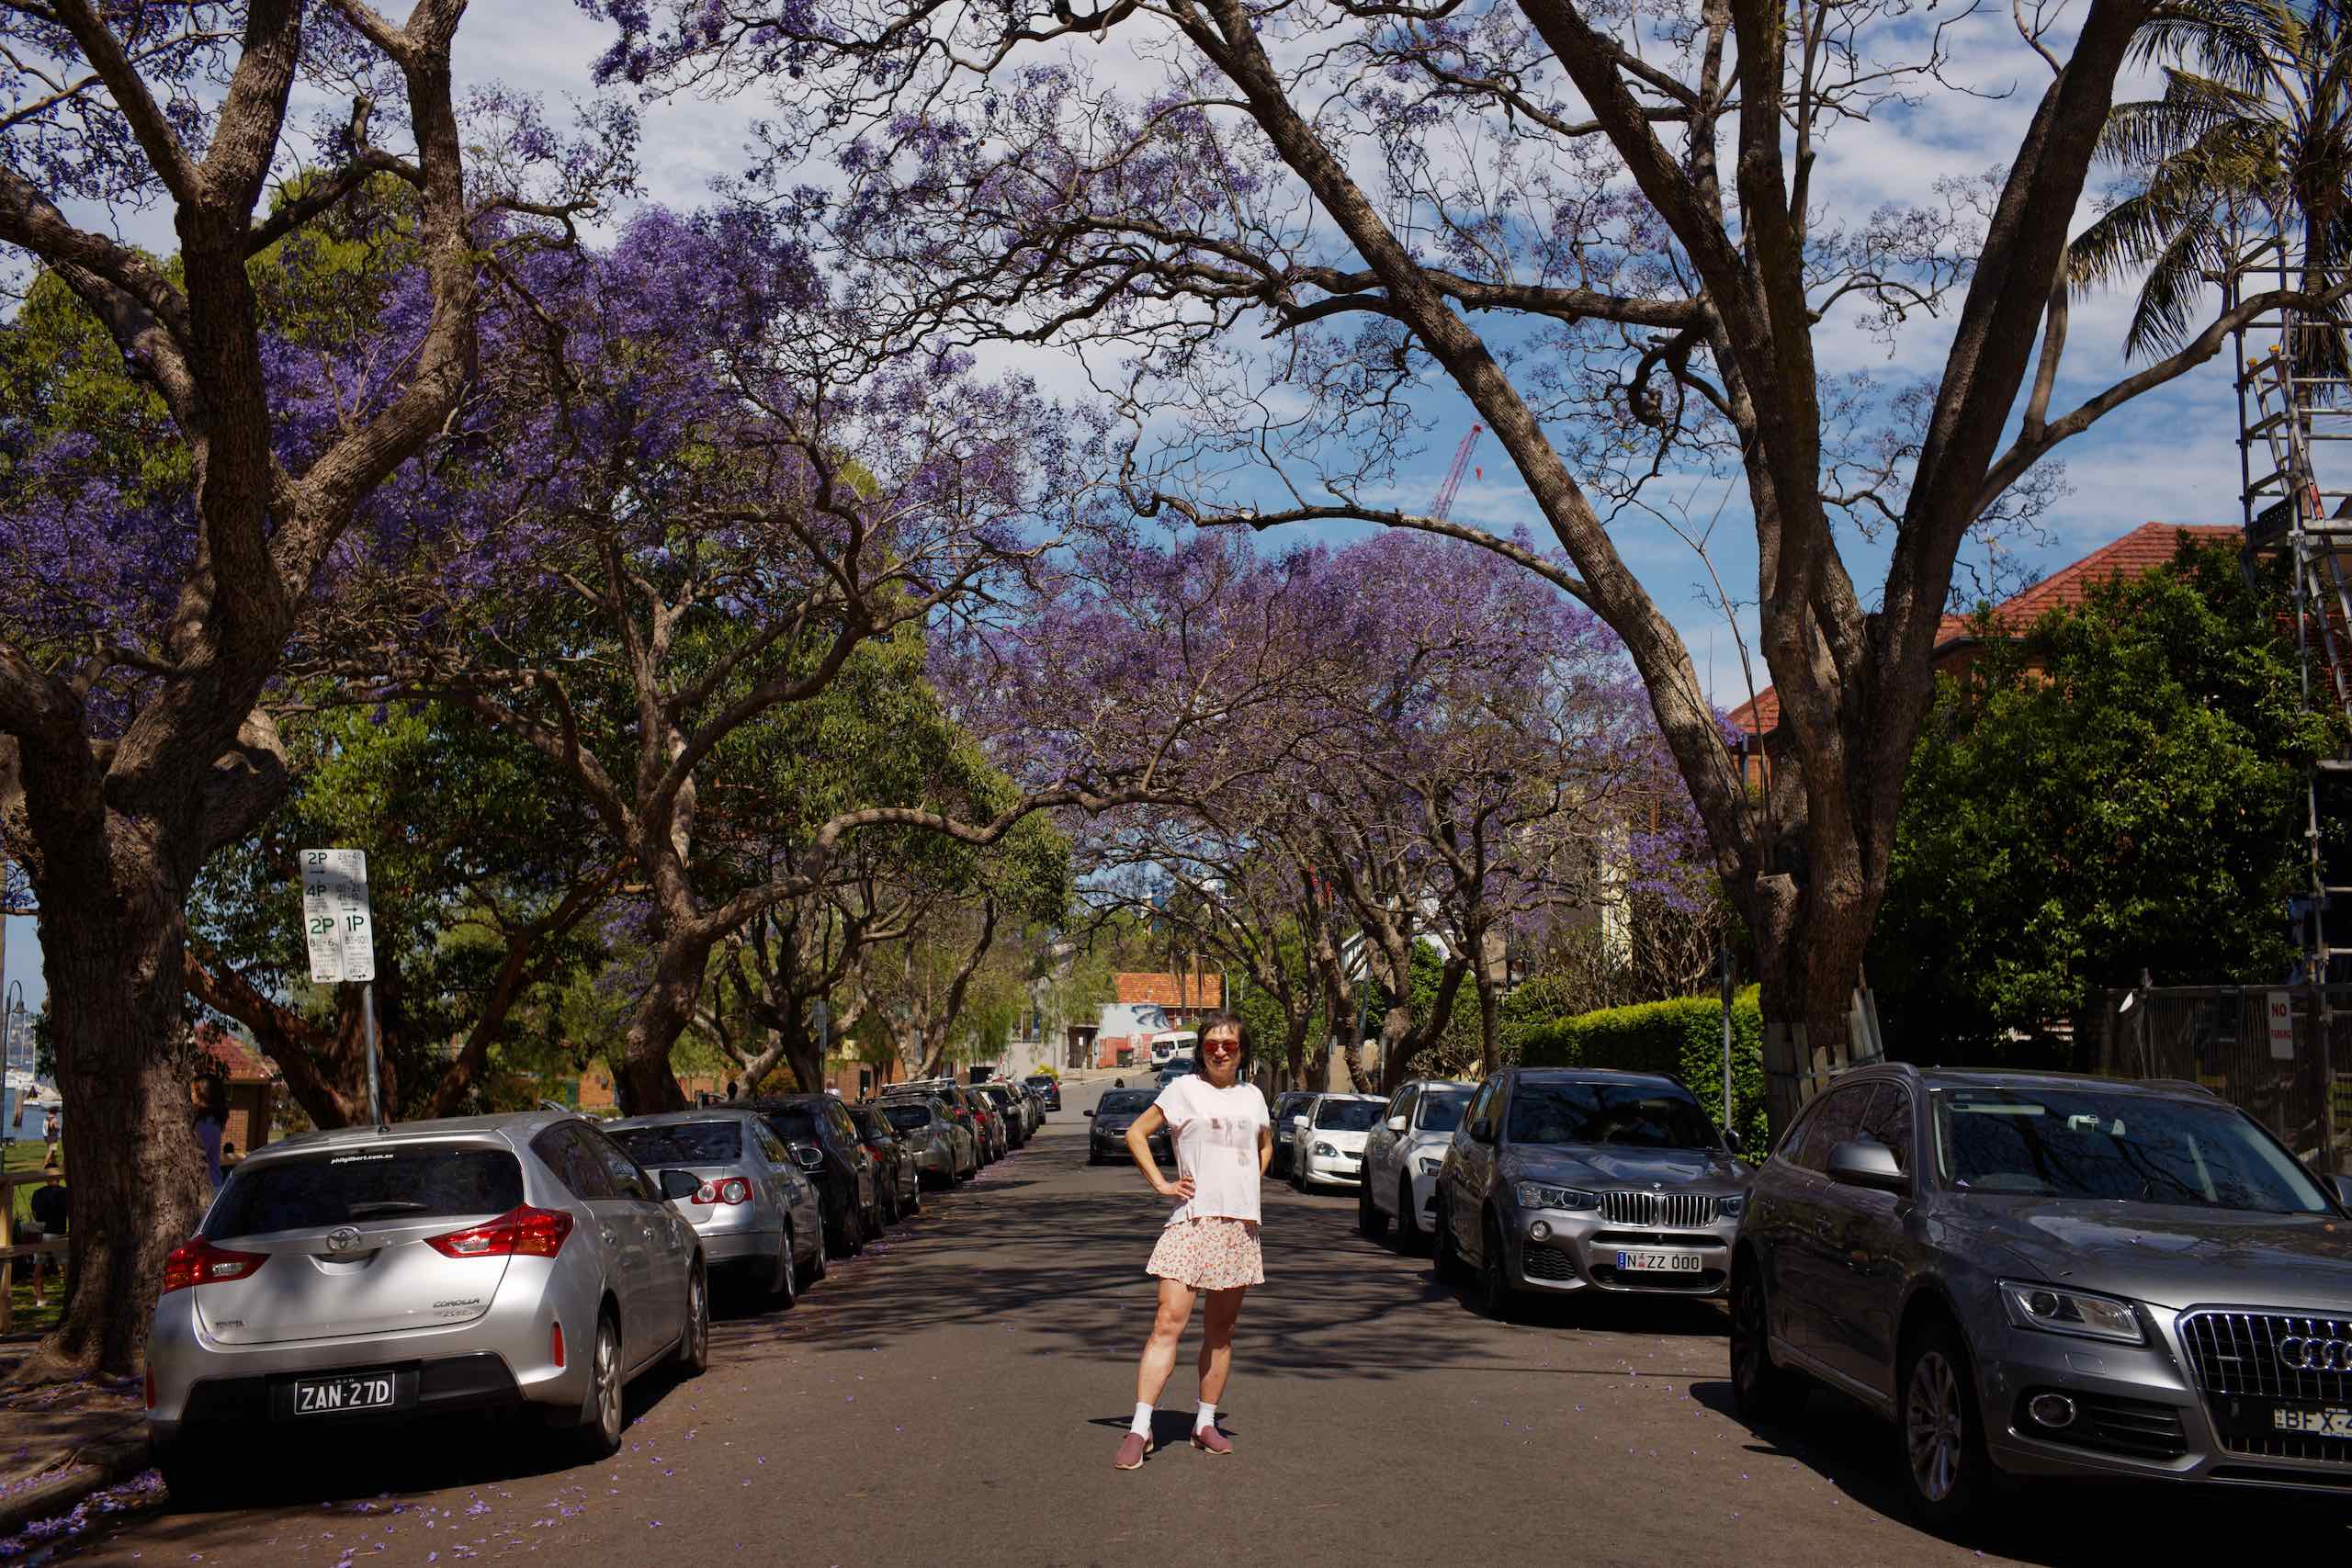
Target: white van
(1174, 1042)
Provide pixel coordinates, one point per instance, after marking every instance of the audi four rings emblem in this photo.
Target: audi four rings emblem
(2308, 1355)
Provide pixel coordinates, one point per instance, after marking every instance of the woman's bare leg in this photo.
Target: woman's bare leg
(1216, 1341)
(1160, 1351)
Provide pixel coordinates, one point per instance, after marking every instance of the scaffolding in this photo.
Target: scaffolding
(2295, 471)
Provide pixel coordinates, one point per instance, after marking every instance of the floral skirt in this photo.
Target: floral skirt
(1209, 1255)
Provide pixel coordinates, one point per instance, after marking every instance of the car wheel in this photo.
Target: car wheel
(198, 1475)
(915, 1201)
(817, 1264)
(1945, 1465)
(1369, 1219)
(1449, 1255)
(783, 1289)
(694, 1344)
(1496, 1297)
(853, 1231)
(1408, 1229)
(1760, 1391)
(601, 1416)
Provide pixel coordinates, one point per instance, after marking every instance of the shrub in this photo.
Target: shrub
(1682, 1038)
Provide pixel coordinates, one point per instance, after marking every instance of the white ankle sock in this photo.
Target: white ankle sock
(1206, 1417)
(1141, 1425)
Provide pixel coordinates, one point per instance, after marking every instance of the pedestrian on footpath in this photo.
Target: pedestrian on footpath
(1223, 1140)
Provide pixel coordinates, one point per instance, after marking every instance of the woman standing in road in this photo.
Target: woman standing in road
(1223, 1140)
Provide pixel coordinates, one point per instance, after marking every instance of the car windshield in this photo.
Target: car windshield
(1349, 1115)
(1040, 1081)
(2070, 1143)
(1124, 1102)
(907, 1118)
(346, 1186)
(684, 1142)
(1633, 1115)
(794, 1124)
(1442, 1112)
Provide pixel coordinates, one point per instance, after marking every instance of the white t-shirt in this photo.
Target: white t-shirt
(1215, 1132)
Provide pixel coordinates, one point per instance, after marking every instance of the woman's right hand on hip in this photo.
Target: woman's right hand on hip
(1180, 1188)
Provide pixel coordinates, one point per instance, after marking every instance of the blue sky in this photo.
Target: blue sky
(2170, 456)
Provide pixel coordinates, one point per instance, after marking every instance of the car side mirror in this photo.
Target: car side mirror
(811, 1160)
(1731, 1140)
(1089, 1113)
(678, 1183)
(1858, 1162)
(1481, 1134)
(2343, 1188)
(1396, 1123)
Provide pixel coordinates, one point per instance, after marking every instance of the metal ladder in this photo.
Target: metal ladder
(2283, 422)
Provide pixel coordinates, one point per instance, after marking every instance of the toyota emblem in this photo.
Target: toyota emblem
(2315, 1355)
(343, 1239)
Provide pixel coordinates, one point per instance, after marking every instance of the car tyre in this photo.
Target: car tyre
(1496, 1298)
(913, 1206)
(1408, 1229)
(694, 1342)
(783, 1289)
(1945, 1467)
(601, 1417)
(1448, 1263)
(1369, 1219)
(817, 1264)
(1761, 1393)
(196, 1475)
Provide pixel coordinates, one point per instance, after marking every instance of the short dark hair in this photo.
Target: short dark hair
(1215, 1023)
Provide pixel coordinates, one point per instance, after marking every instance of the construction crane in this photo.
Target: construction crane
(1443, 504)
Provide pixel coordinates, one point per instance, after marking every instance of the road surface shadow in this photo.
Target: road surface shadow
(2066, 1524)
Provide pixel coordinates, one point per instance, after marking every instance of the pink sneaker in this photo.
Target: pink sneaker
(1208, 1439)
(1131, 1451)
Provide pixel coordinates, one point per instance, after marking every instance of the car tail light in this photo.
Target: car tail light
(522, 1232)
(733, 1190)
(555, 1345)
(199, 1262)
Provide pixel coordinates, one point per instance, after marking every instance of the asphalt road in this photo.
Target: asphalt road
(955, 1396)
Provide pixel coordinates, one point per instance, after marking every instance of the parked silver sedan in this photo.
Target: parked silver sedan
(945, 1153)
(755, 1209)
(344, 1279)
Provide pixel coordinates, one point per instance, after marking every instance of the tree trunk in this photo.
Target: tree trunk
(1489, 1019)
(802, 1053)
(1809, 955)
(112, 960)
(1294, 1060)
(641, 1078)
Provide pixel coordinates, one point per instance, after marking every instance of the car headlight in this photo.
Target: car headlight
(1431, 1164)
(2077, 1313)
(1731, 1207)
(1532, 1196)
(1326, 1151)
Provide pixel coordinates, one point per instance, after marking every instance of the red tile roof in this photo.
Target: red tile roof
(2149, 546)
(237, 1062)
(1198, 990)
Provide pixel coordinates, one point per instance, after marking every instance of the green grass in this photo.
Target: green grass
(26, 1156)
(22, 1155)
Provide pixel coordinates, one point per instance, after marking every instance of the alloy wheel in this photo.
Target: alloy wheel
(693, 1347)
(1494, 1283)
(605, 1369)
(1934, 1430)
(787, 1290)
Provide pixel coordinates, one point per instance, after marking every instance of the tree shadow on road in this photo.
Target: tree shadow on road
(2065, 1524)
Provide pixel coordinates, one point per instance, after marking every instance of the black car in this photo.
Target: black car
(1047, 1088)
(1008, 1103)
(894, 1163)
(827, 1143)
(1113, 1115)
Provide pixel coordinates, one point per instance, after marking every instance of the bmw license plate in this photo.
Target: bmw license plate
(1658, 1260)
(2312, 1421)
(336, 1396)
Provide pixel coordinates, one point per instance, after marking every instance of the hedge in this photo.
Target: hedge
(1682, 1038)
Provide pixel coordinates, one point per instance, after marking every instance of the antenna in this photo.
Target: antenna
(1443, 504)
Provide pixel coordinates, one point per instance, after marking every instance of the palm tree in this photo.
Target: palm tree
(2251, 140)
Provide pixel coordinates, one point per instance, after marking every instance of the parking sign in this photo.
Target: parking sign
(335, 916)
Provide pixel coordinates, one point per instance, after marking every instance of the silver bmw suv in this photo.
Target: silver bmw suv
(2050, 1275)
(341, 1280)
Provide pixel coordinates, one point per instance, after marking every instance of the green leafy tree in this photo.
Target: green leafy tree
(2121, 788)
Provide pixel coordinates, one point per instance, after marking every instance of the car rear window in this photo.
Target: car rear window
(907, 1118)
(1349, 1115)
(686, 1143)
(355, 1185)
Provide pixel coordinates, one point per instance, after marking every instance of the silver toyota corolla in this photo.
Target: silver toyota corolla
(344, 1279)
(754, 1208)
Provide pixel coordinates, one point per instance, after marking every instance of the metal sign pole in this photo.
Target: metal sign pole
(375, 1090)
(1723, 953)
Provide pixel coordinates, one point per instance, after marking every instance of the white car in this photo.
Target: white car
(1328, 1136)
(1402, 1157)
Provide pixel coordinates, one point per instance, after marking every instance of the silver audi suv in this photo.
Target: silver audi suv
(344, 1279)
(1567, 1179)
(2045, 1274)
